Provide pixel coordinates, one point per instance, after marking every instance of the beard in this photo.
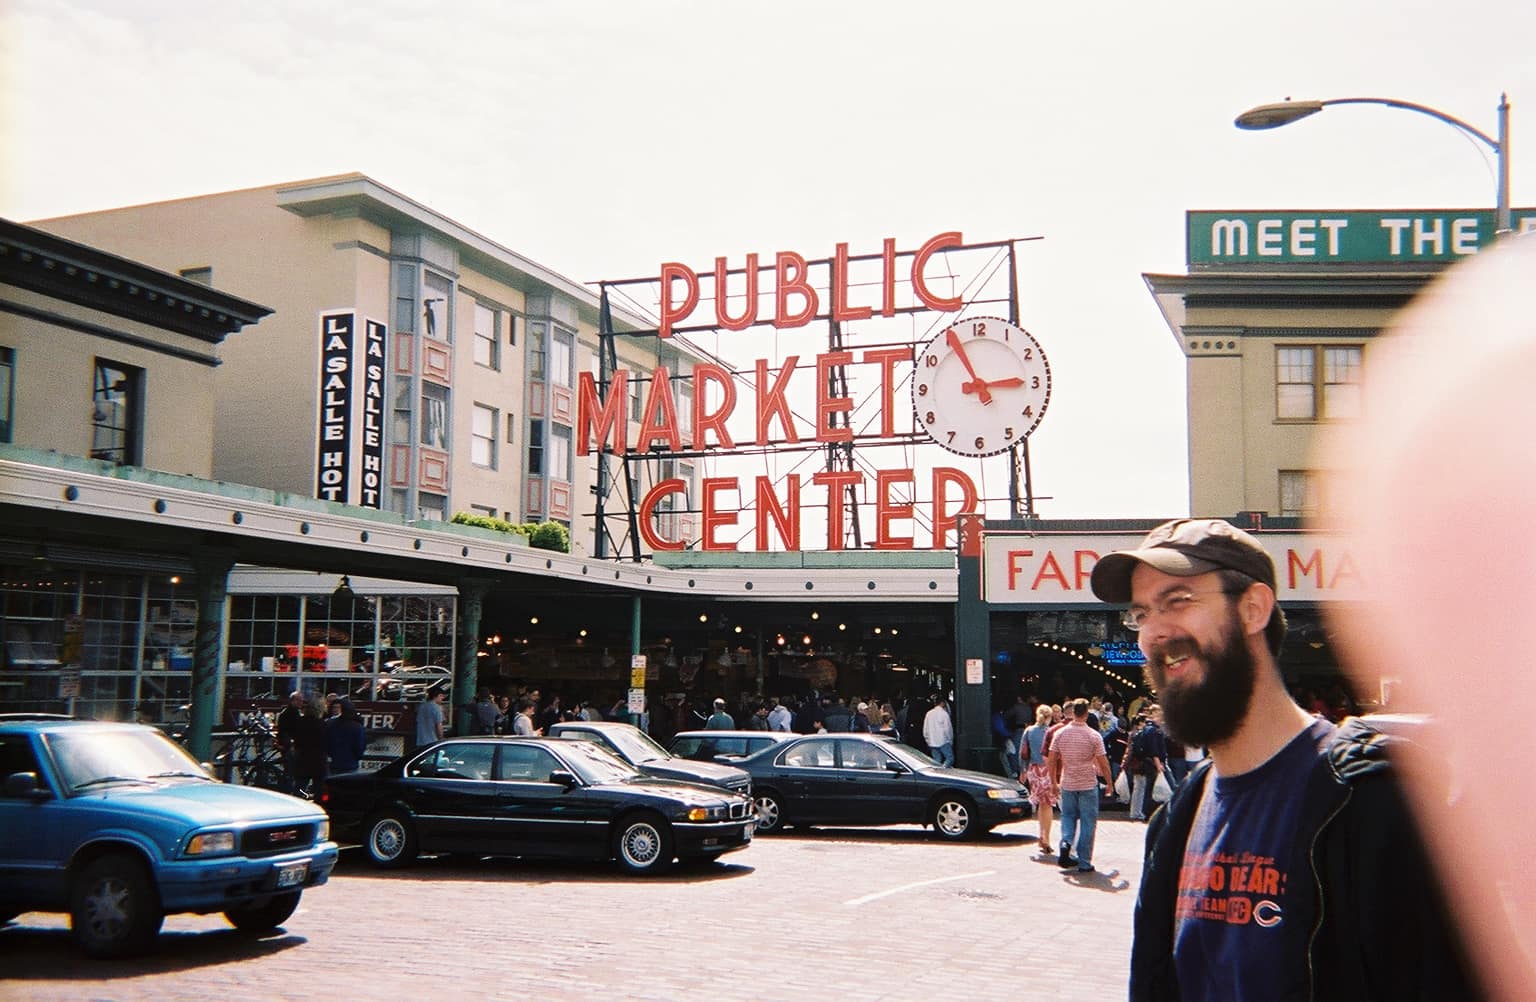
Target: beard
(1210, 710)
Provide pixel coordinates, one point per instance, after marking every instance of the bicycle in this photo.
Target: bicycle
(253, 757)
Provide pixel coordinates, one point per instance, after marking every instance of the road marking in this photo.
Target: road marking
(866, 899)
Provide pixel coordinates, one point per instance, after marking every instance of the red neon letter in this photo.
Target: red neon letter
(827, 405)
(660, 418)
(943, 476)
(703, 375)
(840, 308)
(648, 532)
(713, 518)
(888, 278)
(920, 260)
(610, 417)
(771, 401)
(834, 481)
(749, 314)
(669, 313)
(790, 277)
(887, 512)
(887, 359)
(787, 519)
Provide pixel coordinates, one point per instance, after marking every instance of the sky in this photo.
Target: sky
(604, 138)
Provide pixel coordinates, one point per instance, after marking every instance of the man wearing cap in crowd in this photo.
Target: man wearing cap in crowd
(1288, 864)
(720, 720)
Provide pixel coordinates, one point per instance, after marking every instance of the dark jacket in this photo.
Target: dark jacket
(345, 741)
(1372, 921)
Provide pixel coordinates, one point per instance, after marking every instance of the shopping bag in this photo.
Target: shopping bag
(1123, 787)
(1161, 791)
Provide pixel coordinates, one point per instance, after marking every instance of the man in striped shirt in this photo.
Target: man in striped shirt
(1077, 761)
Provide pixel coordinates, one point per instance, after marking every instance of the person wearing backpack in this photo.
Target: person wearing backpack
(1143, 761)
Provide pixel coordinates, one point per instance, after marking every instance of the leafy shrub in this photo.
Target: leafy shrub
(541, 535)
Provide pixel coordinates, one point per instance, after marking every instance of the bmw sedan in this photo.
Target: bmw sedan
(532, 797)
(865, 779)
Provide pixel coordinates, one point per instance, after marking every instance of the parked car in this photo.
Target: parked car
(867, 779)
(640, 750)
(118, 826)
(533, 797)
(723, 746)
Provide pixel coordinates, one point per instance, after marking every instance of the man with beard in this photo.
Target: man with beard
(1287, 865)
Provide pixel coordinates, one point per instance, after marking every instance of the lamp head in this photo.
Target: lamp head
(343, 592)
(1272, 116)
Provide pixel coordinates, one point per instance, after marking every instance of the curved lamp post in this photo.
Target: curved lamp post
(1272, 116)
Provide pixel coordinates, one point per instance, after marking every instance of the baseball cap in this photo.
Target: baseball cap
(1184, 548)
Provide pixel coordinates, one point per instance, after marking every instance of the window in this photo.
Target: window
(511, 428)
(7, 391)
(538, 361)
(560, 349)
(812, 755)
(487, 337)
(512, 329)
(482, 436)
(636, 396)
(536, 447)
(400, 429)
(437, 308)
(434, 415)
(117, 417)
(431, 507)
(560, 452)
(1310, 493)
(1317, 383)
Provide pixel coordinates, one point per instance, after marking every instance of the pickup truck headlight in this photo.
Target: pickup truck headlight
(1002, 794)
(210, 843)
(324, 831)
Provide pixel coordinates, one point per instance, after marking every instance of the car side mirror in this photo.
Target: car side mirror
(891, 765)
(564, 778)
(25, 785)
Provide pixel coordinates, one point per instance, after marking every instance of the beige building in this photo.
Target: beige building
(1277, 317)
(411, 364)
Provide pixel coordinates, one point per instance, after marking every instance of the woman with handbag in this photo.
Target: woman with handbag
(1036, 777)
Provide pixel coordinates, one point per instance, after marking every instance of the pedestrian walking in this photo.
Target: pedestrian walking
(1077, 761)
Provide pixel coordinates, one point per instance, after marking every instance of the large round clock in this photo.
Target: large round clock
(981, 386)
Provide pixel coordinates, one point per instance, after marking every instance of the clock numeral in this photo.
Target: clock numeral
(1008, 434)
(922, 389)
(1029, 354)
(981, 443)
(931, 361)
(928, 418)
(1034, 382)
(979, 329)
(951, 438)
(1029, 411)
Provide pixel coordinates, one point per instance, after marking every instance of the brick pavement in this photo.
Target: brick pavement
(850, 914)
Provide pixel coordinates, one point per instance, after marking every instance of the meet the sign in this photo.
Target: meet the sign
(1351, 236)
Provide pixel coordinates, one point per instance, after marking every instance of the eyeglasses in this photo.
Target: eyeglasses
(1174, 603)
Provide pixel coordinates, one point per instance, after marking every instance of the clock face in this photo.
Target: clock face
(981, 386)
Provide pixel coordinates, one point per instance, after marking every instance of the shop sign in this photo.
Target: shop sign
(333, 465)
(1054, 569)
(1350, 236)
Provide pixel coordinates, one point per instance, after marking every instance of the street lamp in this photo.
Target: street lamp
(1272, 116)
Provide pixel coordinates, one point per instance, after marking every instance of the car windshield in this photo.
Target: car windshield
(909, 756)
(594, 764)
(94, 758)
(636, 745)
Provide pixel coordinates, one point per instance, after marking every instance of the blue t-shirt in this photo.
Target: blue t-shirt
(1231, 907)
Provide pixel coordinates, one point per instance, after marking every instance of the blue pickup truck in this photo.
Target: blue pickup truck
(118, 826)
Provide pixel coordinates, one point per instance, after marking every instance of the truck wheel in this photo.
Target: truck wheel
(263, 915)
(113, 907)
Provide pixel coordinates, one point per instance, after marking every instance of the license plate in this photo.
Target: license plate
(292, 875)
(746, 831)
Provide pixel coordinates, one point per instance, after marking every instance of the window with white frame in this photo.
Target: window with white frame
(437, 308)
(1317, 382)
(482, 436)
(560, 452)
(1300, 493)
(561, 348)
(487, 336)
(434, 415)
(538, 351)
(536, 447)
(117, 413)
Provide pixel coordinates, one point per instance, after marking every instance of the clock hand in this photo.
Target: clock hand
(1010, 381)
(977, 385)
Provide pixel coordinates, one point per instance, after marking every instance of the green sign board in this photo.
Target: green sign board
(1350, 236)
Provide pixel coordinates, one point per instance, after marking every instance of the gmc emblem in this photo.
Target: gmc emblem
(286, 835)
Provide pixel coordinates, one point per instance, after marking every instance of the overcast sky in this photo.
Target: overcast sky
(601, 139)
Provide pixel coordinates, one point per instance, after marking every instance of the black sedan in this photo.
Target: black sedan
(640, 750)
(864, 779)
(725, 747)
(532, 797)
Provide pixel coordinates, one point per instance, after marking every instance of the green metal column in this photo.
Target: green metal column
(212, 586)
(466, 664)
(973, 699)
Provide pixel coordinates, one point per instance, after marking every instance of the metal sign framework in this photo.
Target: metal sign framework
(981, 274)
